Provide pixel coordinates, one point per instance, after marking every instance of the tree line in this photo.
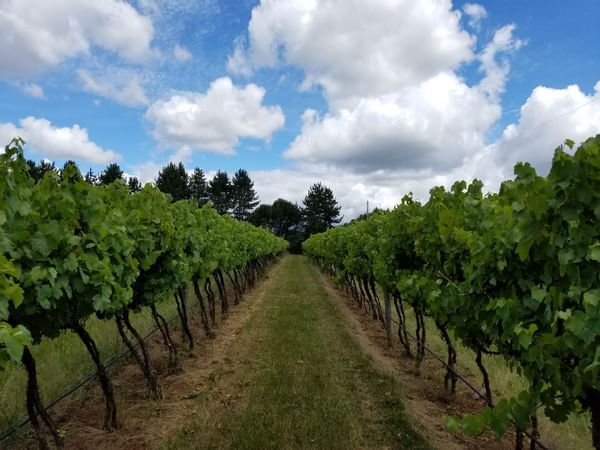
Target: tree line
(234, 195)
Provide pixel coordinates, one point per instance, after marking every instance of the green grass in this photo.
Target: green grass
(63, 361)
(575, 433)
(310, 386)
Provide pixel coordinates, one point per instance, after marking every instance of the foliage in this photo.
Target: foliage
(134, 185)
(243, 195)
(37, 171)
(111, 174)
(220, 192)
(173, 180)
(199, 187)
(514, 273)
(320, 209)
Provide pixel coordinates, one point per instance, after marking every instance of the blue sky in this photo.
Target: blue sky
(374, 99)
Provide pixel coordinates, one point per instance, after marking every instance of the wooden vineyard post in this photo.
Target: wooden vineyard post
(388, 317)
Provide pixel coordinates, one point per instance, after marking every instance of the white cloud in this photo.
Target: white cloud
(548, 117)
(147, 172)
(435, 123)
(33, 90)
(41, 34)
(125, 89)
(372, 48)
(214, 121)
(181, 54)
(497, 72)
(475, 12)
(53, 142)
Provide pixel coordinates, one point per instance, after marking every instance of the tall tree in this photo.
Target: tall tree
(244, 198)
(321, 210)
(91, 178)
(37, 171)
(134, 185)
(219, 192)
(111, 174)
(70, 172)
(173, 180)
(199, 187)
(262, 217)
(286, 217)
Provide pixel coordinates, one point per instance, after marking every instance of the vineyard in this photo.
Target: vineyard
(513, 274)
(70, 252)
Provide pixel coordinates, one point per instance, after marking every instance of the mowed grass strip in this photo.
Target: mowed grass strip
(310, 386)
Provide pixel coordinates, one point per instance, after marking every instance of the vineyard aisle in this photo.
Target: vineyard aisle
(295, 378)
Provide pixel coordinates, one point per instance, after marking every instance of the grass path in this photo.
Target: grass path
(296, 378)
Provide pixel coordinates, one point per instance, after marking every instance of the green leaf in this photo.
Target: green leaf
(594, 252)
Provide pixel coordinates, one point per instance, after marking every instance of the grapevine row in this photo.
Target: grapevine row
(70, 251)
(513, 273)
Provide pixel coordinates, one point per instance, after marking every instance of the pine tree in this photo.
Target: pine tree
(70, 172)
(321, 210)
(111, 174)
(37, 171)
(199, 187)
(173, 180)
(91, 178)
(244, 198)
(220, 192)
(134, 185)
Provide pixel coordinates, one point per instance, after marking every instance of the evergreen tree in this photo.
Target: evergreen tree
(134, 185)
(199, 187)
(321, 210)
(220, 192)
(91, 178)
(111, 174)
(70, 172)
(37, 171)
(244, 198)
(173, 180)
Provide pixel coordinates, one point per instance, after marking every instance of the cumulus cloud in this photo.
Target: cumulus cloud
(435, 123)
(53, 142)
(40, 34)
(497, 72)
(181, 54)
(125, 89)
(33, 90)
(214, 121)
(370, 46)
(475, 12)
(548, 117)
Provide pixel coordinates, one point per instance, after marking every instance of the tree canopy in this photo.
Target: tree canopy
(320, 209)
(219, 192)
(199, 187)
(111, 174)
(243, 195)
(173, 180)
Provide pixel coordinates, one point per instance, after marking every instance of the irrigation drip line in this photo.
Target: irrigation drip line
(538, 443)
(108, 363)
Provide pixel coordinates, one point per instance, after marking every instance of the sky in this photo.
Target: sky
(374, 99)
